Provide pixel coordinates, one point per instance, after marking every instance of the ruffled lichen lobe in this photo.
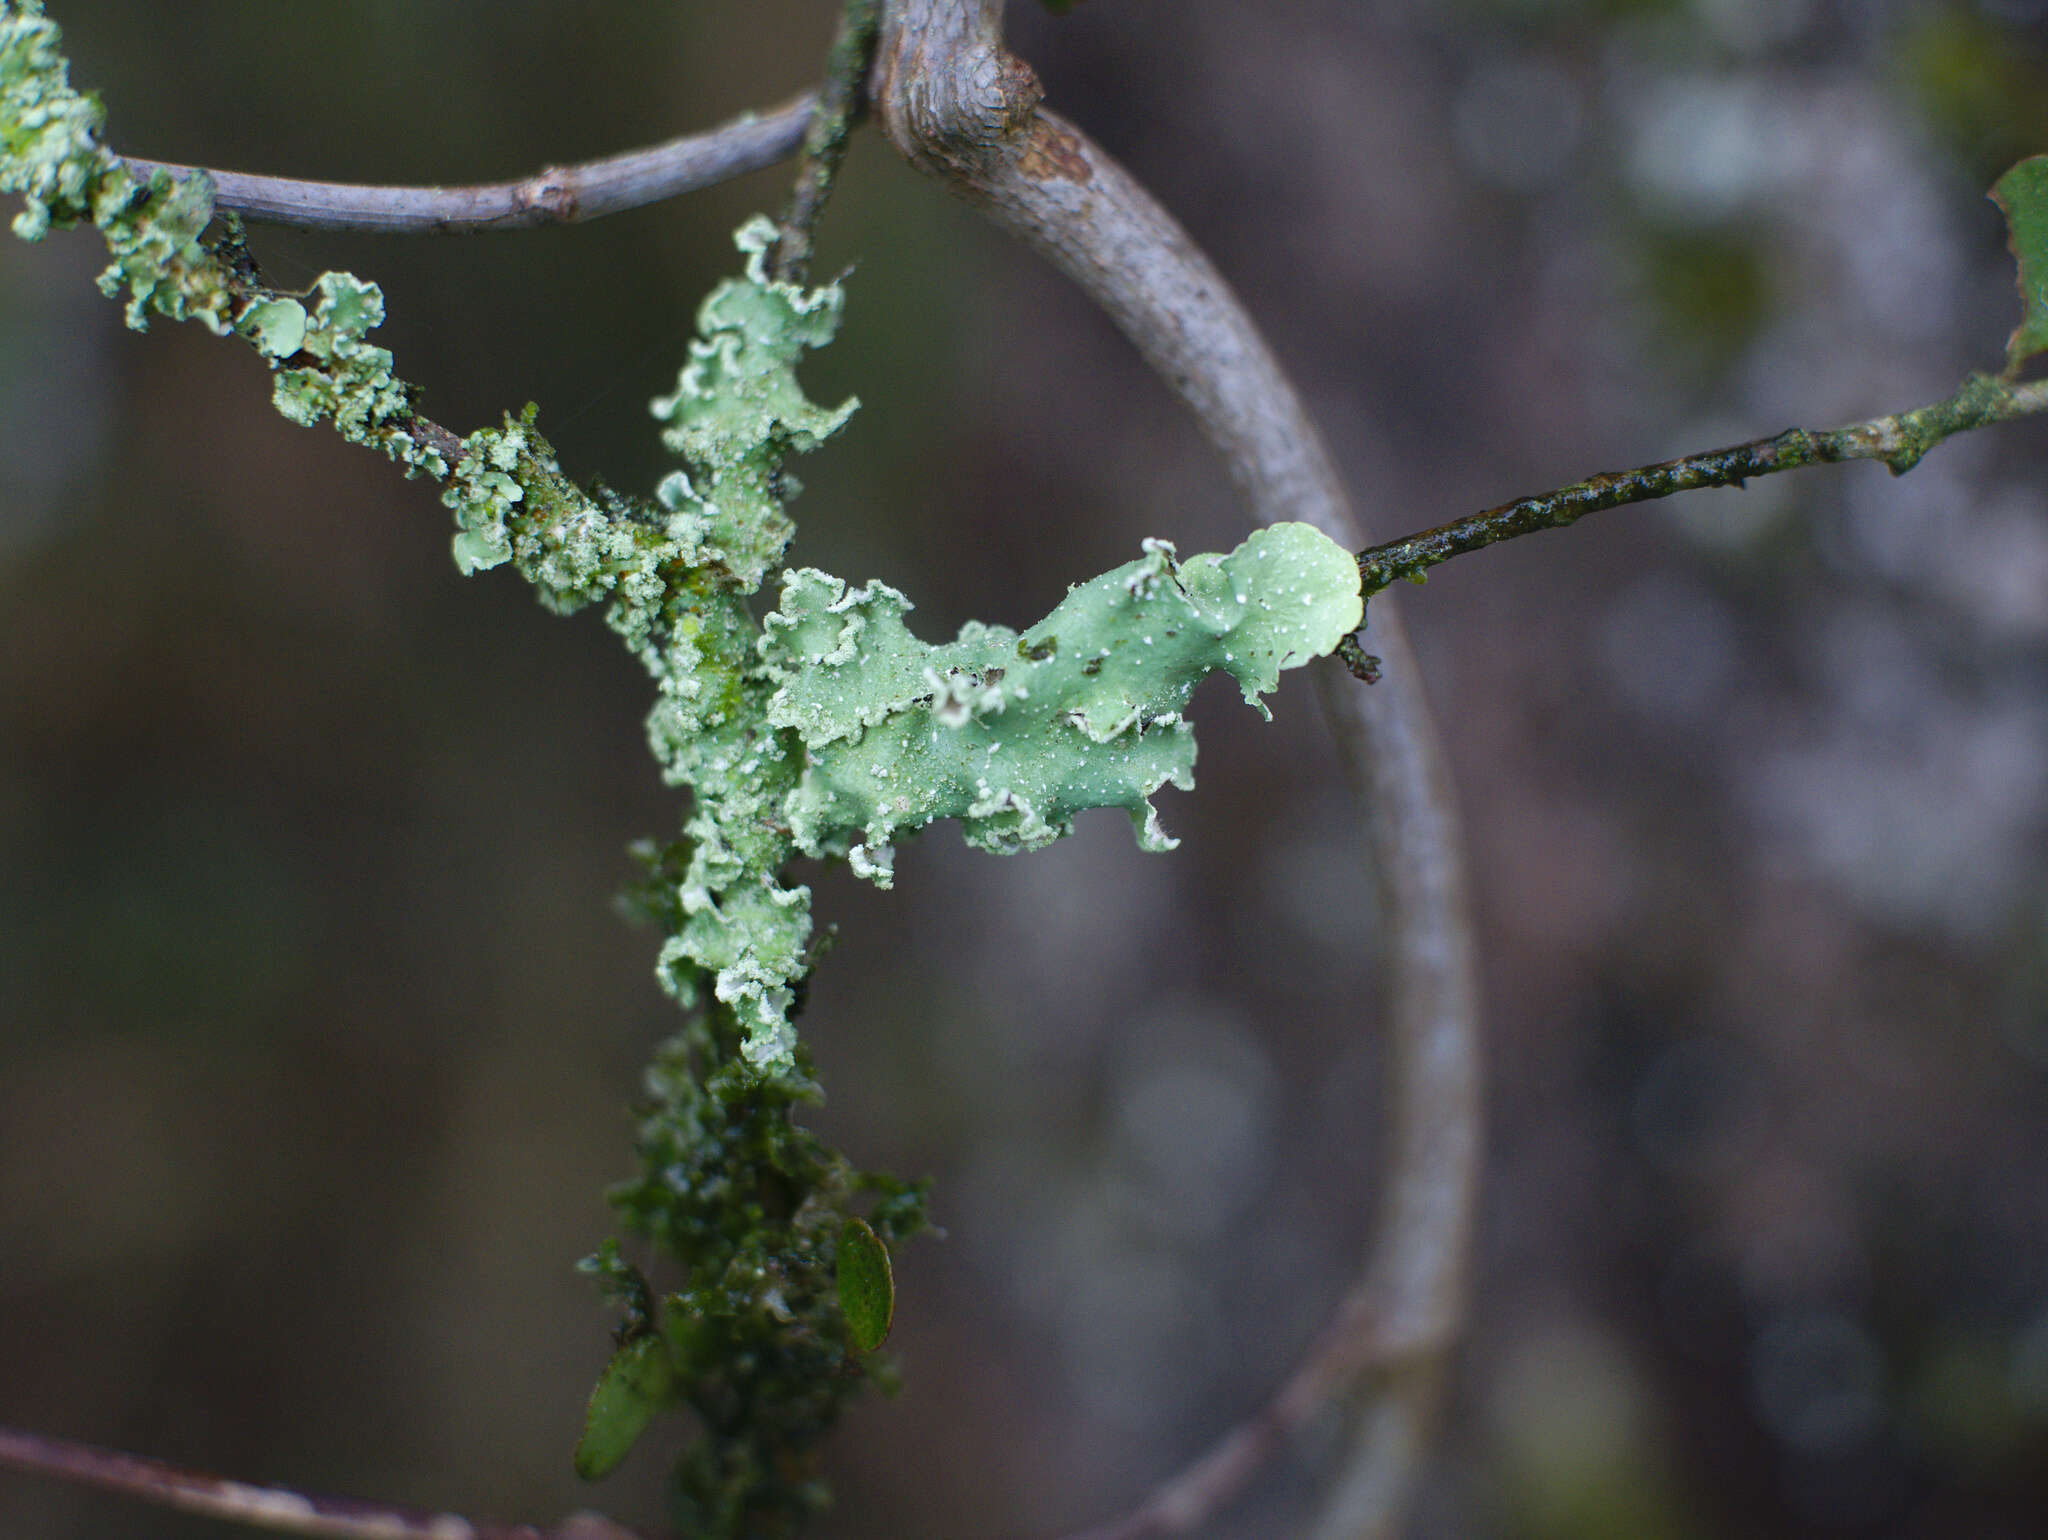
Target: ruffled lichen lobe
(1014, 735)
(737, 411)
(825, 730)
(51, 154)
(833, 731)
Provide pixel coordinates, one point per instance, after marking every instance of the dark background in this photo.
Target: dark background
(317, 1029)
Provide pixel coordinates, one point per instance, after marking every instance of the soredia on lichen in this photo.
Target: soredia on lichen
(830, 730)
(1014, 735)
(826, 729)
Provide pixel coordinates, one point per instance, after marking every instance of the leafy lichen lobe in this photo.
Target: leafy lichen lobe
(1015, 735)
(825, 730)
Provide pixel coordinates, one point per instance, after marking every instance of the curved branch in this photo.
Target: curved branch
(960, 107)
(278, 1509)
(559, 195)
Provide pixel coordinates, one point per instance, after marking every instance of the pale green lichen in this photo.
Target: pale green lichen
(277, 327)
(345, 379)
(1015, 735)
(831, 732)
(738, 412)
(825, 730)
(49, 138)
(49, 132)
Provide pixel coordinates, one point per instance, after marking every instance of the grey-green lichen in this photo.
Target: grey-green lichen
(1014, 735)
(49, 136)
(824, 729)
(832, 730)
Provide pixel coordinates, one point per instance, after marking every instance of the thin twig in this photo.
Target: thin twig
(1899, 441)
(959, 106)
(279, 1509)
(558, 195)
(841, 102)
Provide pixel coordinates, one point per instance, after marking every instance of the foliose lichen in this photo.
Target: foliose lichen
(1015, 735)
(824, 730)
(833, 730)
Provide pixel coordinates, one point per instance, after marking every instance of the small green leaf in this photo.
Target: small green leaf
(867, 1288)
(634, 1387)
(2023, 194)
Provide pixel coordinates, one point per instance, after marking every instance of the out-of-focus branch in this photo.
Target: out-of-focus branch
(556, 196)
(1899, 440)
(959, 106)
(841, 101)
(1348, 1345)
(278, 1509)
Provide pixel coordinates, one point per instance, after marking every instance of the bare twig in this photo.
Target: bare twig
(841, 101)
(278, 1509)
(958, 105)
(558, 195)
(1899, 441)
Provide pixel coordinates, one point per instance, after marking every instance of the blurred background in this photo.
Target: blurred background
(318, 1030)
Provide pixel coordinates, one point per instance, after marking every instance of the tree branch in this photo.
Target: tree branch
(278, 1509)
(960, 107)
(841, 101)
(1900, 441)
(1351, 1343)
(559, 195)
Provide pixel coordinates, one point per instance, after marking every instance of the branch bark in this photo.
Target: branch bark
(1899, 440)
(841, 101)
(556, 196)
(277, 1509)
(959, 106)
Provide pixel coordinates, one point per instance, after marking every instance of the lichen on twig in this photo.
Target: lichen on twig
(961, 107)
(1898, 441)
(825, 729)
